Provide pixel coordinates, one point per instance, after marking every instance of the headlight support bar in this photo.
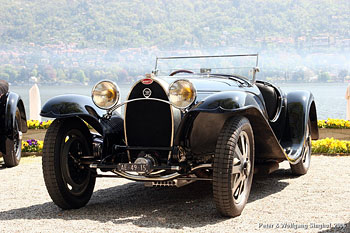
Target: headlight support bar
(109, 111)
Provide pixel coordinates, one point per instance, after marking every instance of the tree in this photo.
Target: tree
(298, 75)
(324, 77)
(4, 76)
(34, 73)
(61, 75)
(12, 72)
(342, 74)
(79, 76)
(50, 73)
(23, 75)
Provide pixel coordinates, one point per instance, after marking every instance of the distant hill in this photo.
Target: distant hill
(177, 23)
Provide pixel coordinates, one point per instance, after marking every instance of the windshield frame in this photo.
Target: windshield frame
(254, 68)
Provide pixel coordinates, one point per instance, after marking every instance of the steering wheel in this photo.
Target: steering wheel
(180, 71)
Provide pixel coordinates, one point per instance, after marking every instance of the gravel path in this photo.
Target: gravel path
(280, 202)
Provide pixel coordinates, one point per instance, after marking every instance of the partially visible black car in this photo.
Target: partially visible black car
(13, 123)
(200, 118)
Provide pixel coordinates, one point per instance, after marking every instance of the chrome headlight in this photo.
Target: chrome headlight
(105, 94)
(182, 93)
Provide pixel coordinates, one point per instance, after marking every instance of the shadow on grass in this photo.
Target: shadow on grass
(176, 208)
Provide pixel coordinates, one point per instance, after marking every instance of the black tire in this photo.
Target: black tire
(233, 166)
(14, 144)
(70, 184)
(303, 165)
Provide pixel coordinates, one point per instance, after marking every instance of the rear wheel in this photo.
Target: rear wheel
(70, 183)
(14, 144)
(303, 165)
(233, 166)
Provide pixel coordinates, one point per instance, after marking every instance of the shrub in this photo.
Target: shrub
(35, 124)
(330, 146)
(32, 145)
(334, 123)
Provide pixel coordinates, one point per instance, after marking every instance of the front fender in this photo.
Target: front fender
(13, 101)
(228, 101)
(222, 102)
(201, 126)
(300, 108)
(65, 106)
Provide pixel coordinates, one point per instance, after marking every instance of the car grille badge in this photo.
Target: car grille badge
(147, 81)
(147, 92)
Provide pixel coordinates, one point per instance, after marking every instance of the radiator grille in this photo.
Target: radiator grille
(148, 123)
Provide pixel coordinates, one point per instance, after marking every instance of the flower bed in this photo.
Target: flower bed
(35, 124)
(32, 145)
(330, 146)
(329, 123)
(334, 124)
(327, 145)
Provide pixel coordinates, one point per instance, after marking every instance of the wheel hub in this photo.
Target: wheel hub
(74, 174)
(246, 167)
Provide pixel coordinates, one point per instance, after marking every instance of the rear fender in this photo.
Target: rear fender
(14, 101)
(66, 106)
(201, 126)
(300, 108)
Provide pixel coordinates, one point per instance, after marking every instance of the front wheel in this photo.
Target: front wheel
(14, 144)
(69, 182)
(233, 166)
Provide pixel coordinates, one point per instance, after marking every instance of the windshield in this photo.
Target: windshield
(242, 65)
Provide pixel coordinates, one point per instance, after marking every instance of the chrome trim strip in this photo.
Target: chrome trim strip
(126, 138)
(279, 108)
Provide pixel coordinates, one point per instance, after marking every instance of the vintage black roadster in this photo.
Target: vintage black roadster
(179, 125)
(12, 124)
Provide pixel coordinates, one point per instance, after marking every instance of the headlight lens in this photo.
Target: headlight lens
(105, 94)
(182, 93)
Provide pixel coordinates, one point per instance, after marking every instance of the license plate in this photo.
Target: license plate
(133, 167)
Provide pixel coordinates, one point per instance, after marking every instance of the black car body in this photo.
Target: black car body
(177, 129)
(12, 124)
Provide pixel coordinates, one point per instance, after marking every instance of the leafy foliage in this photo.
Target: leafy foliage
(35, 124)
(330, 146)
(83, 41)
(32, 145)
(334, 124)
(196, 23)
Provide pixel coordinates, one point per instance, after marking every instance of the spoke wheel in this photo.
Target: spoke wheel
(303, 165)
(75, 175)
(69, 182)
(14, 144)
(233, 166)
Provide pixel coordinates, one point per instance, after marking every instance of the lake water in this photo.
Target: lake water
(329, 97)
